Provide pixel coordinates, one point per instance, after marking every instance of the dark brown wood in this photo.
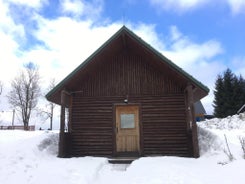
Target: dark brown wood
(125, 74)
(65, 137)
(191, 123)
(128, 72)
(92, 131)
(188, 101)
(70, 112)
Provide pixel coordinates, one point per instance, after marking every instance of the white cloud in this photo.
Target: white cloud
(198, 59)
(179, 5)
(67, 42)
(64, 40)
(79, 8)
(37, 4)
(237, 6)
(185, 52)
(9, 47)
(175, 33)
(148, 33)
(238, 64)
(7, 24)
(67, 46)
(75, 7)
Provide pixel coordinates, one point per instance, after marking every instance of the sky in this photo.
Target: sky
(203, 37)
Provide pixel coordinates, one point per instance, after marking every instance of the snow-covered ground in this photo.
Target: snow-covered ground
(30, 158)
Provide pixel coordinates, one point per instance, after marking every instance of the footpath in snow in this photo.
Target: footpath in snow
(30, 158)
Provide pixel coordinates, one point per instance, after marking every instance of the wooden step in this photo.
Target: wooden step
(122, 160)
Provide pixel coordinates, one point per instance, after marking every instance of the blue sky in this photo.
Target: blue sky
(203, 37)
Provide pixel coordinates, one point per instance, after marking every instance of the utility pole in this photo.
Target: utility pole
(13, 118)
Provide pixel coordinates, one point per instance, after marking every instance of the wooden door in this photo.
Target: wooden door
(127, 125)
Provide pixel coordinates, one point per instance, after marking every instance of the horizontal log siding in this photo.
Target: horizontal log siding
(163, 120)
(162, 124)
(91, 127)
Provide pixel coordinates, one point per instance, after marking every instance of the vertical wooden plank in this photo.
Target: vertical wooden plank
(141, 150)
(114, 131)
(127, 138)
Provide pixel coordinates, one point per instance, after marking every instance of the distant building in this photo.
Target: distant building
(199, 111)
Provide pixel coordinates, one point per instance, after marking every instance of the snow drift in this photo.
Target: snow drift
(30, 158)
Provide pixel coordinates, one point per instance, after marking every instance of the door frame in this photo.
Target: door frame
(114, 129)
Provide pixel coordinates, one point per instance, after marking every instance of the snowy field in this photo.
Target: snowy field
(30, 158)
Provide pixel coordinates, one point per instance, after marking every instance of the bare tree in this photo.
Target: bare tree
(228, 151)
(51, 105)
(48, 111)
(242, 142)
(25, 92)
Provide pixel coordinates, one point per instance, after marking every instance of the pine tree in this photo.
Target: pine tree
(219, 97)
(229, 94)
(239, 93)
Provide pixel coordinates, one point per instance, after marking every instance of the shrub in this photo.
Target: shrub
(242, 141)
(227, 151)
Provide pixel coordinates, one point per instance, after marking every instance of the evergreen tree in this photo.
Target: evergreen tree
(229, 84)
(219, 97)
(229, 94)
(239, 93)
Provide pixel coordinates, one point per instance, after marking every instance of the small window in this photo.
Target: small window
(127, 121)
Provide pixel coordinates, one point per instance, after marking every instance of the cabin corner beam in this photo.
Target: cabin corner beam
(191, 120)
(64, 103)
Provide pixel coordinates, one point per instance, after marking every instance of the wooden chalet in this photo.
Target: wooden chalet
(127, 99)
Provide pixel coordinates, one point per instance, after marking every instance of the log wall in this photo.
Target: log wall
(163, 129)
(162, 124)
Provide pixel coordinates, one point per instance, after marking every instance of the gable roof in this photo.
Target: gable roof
(121, 33)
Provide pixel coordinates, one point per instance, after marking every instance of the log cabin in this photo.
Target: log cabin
(127, 99)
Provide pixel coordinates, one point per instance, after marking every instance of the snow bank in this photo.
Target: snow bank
(229, 123)
(30, 158)
(212, 133)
